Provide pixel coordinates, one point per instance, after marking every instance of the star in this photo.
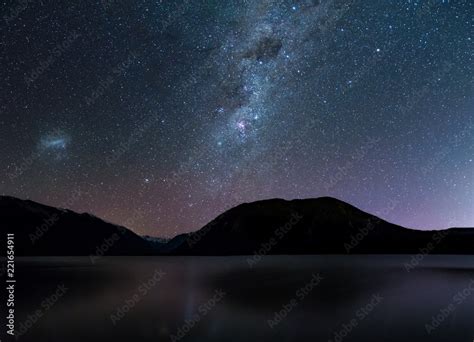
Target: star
(238, 102)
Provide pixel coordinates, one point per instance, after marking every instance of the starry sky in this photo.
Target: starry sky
(160, 115)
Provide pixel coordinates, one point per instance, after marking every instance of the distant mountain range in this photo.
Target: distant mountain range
(311, 226)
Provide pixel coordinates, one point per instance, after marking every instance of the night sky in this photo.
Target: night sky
(161, 115)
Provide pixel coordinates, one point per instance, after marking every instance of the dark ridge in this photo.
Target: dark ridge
(322, 225)
(44, 230)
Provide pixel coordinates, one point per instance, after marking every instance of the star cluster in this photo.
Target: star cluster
(161, 115)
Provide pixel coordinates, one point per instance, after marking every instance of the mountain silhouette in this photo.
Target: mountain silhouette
(314, 226)
(309, 226)
(43, 230)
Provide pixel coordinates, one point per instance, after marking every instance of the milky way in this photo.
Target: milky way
(164, 114)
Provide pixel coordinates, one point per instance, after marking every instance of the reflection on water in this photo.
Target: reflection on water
(282, 298)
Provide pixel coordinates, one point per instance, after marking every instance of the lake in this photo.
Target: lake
(275, 298)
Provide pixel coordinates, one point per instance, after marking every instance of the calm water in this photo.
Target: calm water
(280, 298)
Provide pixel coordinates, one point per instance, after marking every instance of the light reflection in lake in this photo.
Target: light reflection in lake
(223, 299)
